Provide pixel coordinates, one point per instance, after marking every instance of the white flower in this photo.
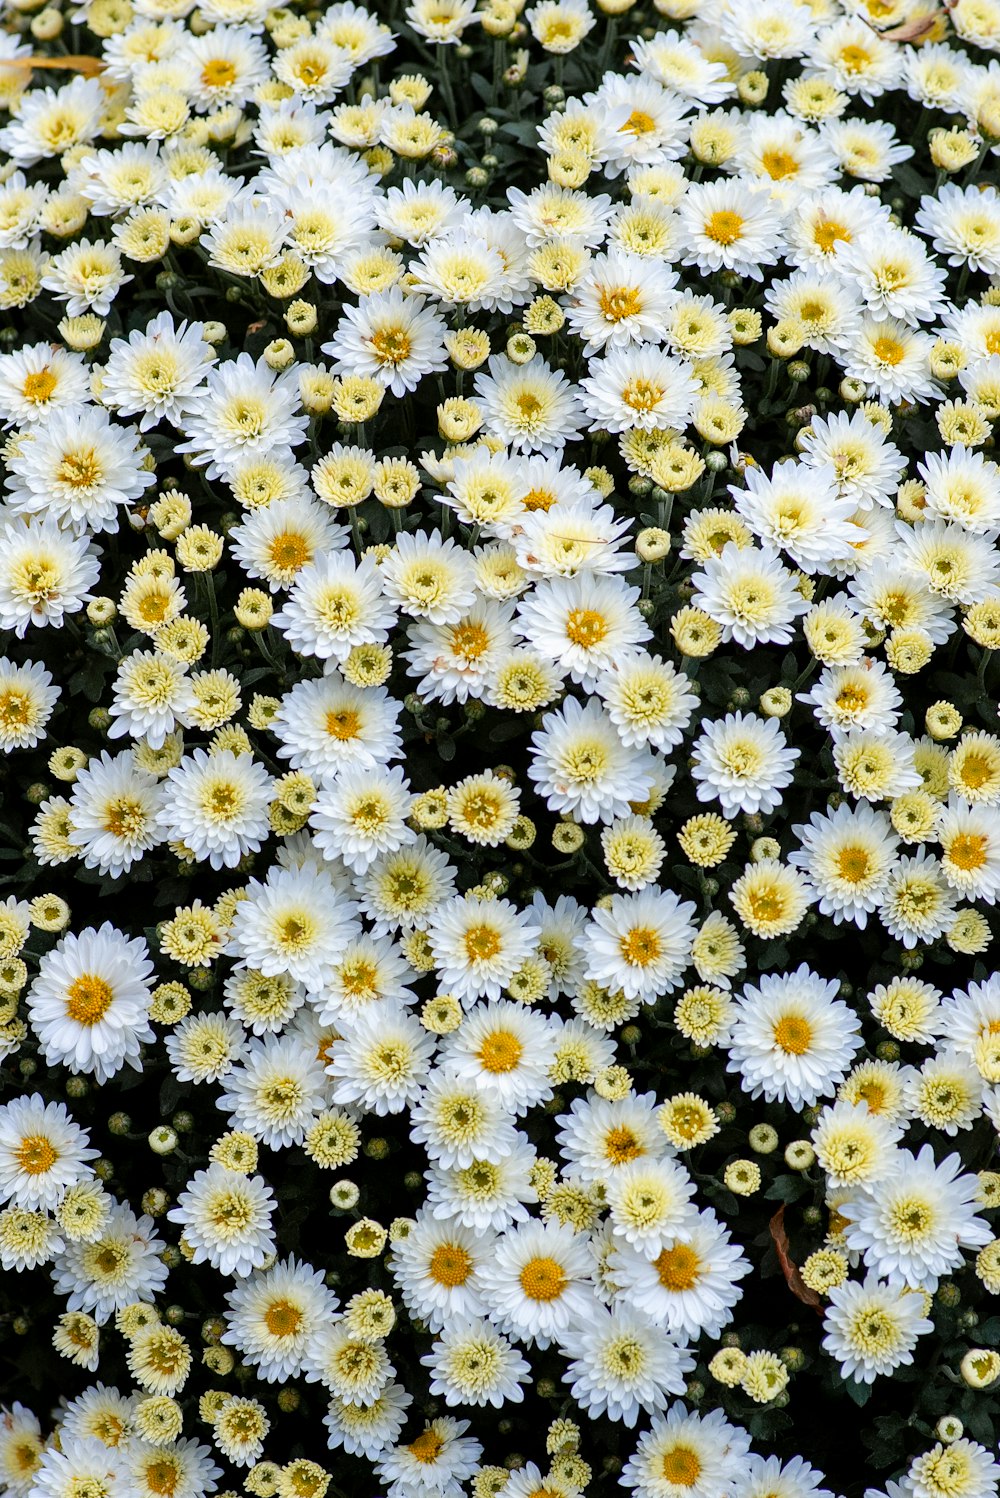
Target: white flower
(119, 1266)
(917, 904)
(457, 661)
(366, 1430)
(157, 371)
(621, 299)
(862, 696)
(573, 536)
(296, 922)
(641, 943)
(153, 695)
(89, 1004)
(45, 573)
(970, 848)
(639, 386)
(623, 1365)
(381, 1063)
(27, 698)
(275, 1092)
(472, 1364)
(81, 1465)
(438, 1268)
(42, 1153)
(964, 225)
(277, 540)
(442, 1457)
(536, 1281)
(458, 1123)
(530, 407)
(329, 727)
(335, 604)
(78, 469)
(478, 945)
(428, 577)
(113, 813)
(963, 486)
(855, 1145)
(911, 1228)
(731, 224)
(890, 357)
(39, 379)
(581, 766)
(361, 815)
(744, 762)
(688, 1456)
(245, 408)
(793, 1040)
(691, 1288)
(750, 594)
(650, 1203)
(798, 510)
(272, 1314)
(583, 623)
(505, 1051)
(680, 64)
(964, 1466)
(226, 1218)
(847, 856)
(648, 700)
(404, 888)
(87, 277)
(866, 466)
(217, 805)
(391, 338)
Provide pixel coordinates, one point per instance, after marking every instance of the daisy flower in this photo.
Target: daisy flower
(853, 1145)
(478, 945)
(226, 1219)
(457, 661)
(798, 510)
(89, 1004)
(912, 1227)
(27, 698)
(334, 605)
(847, 698)
(793, 1041)
(457, 1122)
(117, 1268)
(442, 1456)
(217, 806)
(598, 1136)
(648, 700)
(866, 466)
(744, 762)
(470, 1363)
(78, 469)
(87, 277)
(691, 1288)
(380, 1065)
(361, 815)
(640, 944)
(38, 379)
(113, 813)
(749, 593)
(536, 1281)
(679, 64)
(639, 386)
(274, 1093)
(329, 727)
(622, 299)
(970, 848)
(272, 1314)
(964, 225)
(489, 1193)
(847, 856)
(529, 407)
(391, 338)
(296, 922)
(622, 1365)
(964, 487)
(42, 1153)
(581, 767)
(650, 1203)
(573, 537)
(157, 372)
(245, 408)
(403, 889)
(367, 1430)
(437, 1268)
(582, 623)
(153, 695)
(687, 1455)
(731, 225)
(505, 1051)
(918, 905)
(890, 358)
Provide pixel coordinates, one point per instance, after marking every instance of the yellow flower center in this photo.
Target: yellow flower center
(343, 725)
(36, 1154)
(282, 1319)
(39, 386)
(621, 1145)
(88, 999)
(968, 851)
(723, 227)
(853, 864)
(888, 350)
(80, 470)
(617, 303)
(681, 1466)
(500, 1052)
(641, 946)
(678, 1268)
(482, 942)
(427, 1447)
(218, 73)
(793, 1034)
(450, 1265)
(543, 1279)
(779, 164)
(586, 627)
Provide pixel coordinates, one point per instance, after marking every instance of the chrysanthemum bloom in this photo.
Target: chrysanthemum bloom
(89, 1003)
(793, 1040)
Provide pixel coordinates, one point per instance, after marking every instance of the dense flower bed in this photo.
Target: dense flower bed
(501, 818)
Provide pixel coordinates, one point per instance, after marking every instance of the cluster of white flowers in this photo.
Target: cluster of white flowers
(428, 524)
